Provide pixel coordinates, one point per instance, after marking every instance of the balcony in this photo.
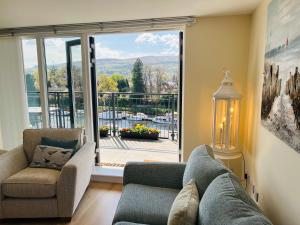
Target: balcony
(115, 112)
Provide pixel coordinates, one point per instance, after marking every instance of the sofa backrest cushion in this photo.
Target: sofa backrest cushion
(203, 168)
(226, 202)
(32, 138)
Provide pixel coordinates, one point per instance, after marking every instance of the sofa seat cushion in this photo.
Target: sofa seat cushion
(145, 204)
(31, 183)
(203, 168)
(226, 202)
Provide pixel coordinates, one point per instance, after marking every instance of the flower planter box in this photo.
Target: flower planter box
(136, 135)
(103, 132)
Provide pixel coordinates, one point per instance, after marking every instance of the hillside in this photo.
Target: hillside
(124, 66)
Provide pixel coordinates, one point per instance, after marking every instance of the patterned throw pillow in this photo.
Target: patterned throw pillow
(50, 157)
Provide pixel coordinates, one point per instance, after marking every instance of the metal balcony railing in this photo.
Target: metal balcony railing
(115, 110)
(123, 110)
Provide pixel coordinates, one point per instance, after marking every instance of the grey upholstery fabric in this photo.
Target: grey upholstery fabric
(168, 175)
(145, 204)
(225, 202)
(32, 138)
(202, 168)
(128, 223)
(31, 183)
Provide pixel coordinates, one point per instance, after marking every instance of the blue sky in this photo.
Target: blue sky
(137, 44)
(126, 45)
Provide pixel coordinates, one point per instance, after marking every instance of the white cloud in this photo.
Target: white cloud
(29, 51)
(168, 39)
(147, 37)
(55, 49)
(103, 52)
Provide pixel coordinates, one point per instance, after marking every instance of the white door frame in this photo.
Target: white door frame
(40, 45)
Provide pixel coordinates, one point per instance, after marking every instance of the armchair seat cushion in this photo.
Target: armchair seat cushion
(31, 183)
(145, 204)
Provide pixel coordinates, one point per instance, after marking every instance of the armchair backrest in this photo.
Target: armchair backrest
(32, 137)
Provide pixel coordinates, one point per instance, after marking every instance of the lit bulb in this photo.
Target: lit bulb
(231, 110)
(224, 119)
(221, 125)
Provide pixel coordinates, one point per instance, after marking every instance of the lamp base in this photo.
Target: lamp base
(226, 152)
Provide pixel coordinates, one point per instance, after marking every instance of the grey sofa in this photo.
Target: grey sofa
(150, 189)
(39, 192)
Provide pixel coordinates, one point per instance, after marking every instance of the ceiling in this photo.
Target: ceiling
(16, 13)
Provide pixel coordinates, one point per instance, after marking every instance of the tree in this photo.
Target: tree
(77, 78)
(36, 79)
(138, 84)
(160, 79)
(148, 79)
(30, 83)
(106, 84)
(122, 82)
(57, 78)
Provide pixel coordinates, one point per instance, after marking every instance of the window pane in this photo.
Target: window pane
(32, 82)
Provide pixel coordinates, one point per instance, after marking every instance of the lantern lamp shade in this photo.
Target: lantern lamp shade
(226, 110)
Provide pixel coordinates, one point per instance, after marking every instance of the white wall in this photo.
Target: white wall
(13, 115)
(272, 165)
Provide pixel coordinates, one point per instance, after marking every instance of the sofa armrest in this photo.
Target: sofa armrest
(74, 179)
(168, 175)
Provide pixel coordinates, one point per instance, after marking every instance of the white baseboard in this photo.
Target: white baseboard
(108, 175)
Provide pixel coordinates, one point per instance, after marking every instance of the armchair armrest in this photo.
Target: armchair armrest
(168, 175)
(74, 179)
(11, 162)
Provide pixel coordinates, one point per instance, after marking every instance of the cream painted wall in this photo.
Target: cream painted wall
(13, 117)
(212, 44)
(273, 166)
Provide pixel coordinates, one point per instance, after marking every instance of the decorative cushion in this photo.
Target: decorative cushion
(32, 138)
(50, 157)
(226, 202)
(202, 168)
(145, 204)
(31, 183)
(185, 207)
(72, 144)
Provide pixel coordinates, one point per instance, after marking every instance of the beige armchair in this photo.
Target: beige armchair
(39, 192)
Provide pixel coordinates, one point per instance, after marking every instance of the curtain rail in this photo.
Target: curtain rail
(101, 27)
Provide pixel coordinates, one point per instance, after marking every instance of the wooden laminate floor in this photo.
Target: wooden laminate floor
(97, 207)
